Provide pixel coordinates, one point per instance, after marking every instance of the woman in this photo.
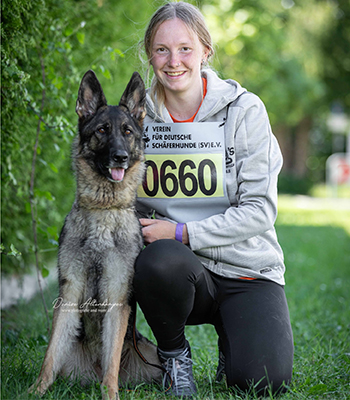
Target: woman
(211, 254)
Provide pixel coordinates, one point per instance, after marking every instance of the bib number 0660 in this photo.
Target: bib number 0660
(181, 178)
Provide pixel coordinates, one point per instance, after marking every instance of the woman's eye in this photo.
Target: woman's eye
(161, 50)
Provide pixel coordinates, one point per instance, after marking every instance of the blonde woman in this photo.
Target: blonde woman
(211, 254)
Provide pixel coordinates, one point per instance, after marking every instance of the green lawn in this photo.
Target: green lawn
(315, 237)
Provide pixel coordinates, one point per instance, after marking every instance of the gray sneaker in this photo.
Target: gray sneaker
(179, 379)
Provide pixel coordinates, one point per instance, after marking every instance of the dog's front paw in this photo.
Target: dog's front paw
(109, 393)
(37, 388)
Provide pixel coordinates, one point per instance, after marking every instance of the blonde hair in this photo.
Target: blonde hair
(192, 18)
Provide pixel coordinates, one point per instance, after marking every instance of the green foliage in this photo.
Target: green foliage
(34, 100)
(295, 56)
(257, 46)
(282, 53)
(336, 56)
(47, 46)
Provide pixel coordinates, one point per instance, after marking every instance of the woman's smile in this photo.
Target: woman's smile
(175, 74)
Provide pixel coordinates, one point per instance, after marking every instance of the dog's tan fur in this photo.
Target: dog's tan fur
(98, 246)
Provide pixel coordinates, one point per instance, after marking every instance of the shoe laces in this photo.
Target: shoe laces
(180, 368)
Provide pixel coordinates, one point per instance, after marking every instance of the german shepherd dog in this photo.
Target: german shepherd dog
(98, 245)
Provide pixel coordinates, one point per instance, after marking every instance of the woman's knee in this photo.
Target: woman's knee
(263, 387)
(264, 383)
(164, 262)
(258, 339)
(156, 258)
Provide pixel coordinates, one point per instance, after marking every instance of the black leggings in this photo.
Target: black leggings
(251, 317)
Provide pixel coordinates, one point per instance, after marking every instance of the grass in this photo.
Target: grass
(315, 237)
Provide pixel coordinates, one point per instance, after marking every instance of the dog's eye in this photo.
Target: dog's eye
(127, 131)
(101, 130)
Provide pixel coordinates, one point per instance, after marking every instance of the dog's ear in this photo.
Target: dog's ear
(134, 98)
(90, 96)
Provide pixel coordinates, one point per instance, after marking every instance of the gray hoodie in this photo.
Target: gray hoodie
(241, 241)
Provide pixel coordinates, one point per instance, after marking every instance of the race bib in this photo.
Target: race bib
(185, 170)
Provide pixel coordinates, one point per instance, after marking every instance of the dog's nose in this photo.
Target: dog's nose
(120, 156)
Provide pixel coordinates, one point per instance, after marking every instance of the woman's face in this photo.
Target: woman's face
(177, 55)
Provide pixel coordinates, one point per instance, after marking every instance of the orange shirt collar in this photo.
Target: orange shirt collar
(193, 116)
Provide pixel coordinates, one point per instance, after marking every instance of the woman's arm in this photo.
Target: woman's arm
(258, 163)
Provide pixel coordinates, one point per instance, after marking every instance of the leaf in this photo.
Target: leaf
(44, 193)
(81, 37)
(13, 179)
(27, 207)
(107, 74)
(14, 252)
(9, 163)
(43, 161)
(53, 242)
(45, 272)
(64, 101)
(52, 230)
(57, 82)
(49, 196)
(53, 167)
(116, 52)
(68, 31)
(119, 52)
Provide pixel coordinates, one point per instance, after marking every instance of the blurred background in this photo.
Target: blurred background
(294, 54)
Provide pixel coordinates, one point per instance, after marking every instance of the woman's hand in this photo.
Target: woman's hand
(155, 229)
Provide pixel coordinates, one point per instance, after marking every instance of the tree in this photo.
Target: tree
(274, 49)
(47, 46)
(36, 131)
(335, 48)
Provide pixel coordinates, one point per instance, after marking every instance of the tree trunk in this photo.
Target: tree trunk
(301, 153)
(284, 137)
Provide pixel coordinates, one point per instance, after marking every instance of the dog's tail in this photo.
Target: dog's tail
(139, 361)
(133, 369)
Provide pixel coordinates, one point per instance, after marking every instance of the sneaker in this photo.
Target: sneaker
(220, 371)
(179, 379)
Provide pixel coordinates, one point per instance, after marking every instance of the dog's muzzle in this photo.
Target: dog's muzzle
(117, 165)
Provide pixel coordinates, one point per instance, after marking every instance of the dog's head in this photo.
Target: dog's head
(110, 137)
